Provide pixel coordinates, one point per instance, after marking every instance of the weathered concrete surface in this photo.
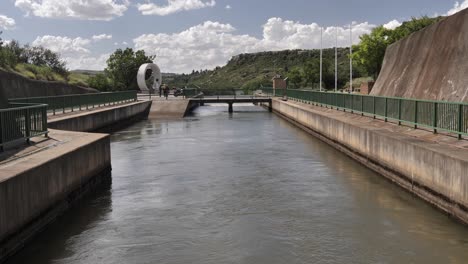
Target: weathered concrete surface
(36, 188)
(175, 108)
(87, 121)
(429, 64)
(14, 85)
(435, 167)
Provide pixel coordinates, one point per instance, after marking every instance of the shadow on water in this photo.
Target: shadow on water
(86, 213)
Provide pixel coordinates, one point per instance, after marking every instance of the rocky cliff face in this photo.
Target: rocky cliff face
(13, 85)
(430, 64)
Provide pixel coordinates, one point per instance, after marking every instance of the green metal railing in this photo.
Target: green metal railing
(20, 122)
(79, 101)
(191, 92)
(437, 115)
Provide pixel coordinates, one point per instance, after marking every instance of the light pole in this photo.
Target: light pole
(351, 58)
(321, 56)
(336, 60)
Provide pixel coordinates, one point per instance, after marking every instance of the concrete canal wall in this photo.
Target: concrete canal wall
(434, 171)
(36, 188)
(13, 85)
(101, 118)
(48, 177)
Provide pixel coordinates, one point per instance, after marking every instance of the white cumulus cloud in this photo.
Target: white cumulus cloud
(86, 62)
(392, 24)
(101, 37)
(63, 45)
(6, 22)
(212, 44)
(458, 7)
(76, 9)
(174, 6)
(74, 51)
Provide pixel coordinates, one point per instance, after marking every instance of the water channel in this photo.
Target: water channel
(243, 188)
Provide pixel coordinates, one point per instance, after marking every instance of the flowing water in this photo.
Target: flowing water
(243, 188)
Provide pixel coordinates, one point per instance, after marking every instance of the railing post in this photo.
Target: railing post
(373, 105)
(399, 111)
(362, 105)
(415, 114)
(2, 130)
(27, 120)
(386, 109)
(434, 119)
(460, 121)
(44, 121)
(63, 104)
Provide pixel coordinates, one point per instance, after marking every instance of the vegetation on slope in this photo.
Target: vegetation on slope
(33, 62)
(370, 52)
(250, 71)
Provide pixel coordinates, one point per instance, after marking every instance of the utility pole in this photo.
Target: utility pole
(336, 59)
(321, 56)
(351, 58)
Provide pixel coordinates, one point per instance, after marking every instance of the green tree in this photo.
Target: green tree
(370, 52)
(295, 77)
(41, 56)
(123, 65)
(311, 72)
(100, 82)
(409, 27)
(328, 73)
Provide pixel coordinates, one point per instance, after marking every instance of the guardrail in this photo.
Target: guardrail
(20, 122)
(79, 101)
(437, 115)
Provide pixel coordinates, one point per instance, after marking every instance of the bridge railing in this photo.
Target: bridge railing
(191, 92)
(437, 115)
(79, 101)
(20, 122)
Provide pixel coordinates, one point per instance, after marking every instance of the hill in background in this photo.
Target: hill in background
(250, 71)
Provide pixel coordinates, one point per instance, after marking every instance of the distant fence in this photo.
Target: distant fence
(437, 115)
(20, 122)
(79, 101)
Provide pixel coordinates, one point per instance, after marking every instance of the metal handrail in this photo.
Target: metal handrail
(79, 101)
(22, 121)
(437, 115)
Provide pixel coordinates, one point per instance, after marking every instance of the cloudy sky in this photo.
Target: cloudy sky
(199, 34)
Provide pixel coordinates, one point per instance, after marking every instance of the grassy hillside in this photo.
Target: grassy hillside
(249, 71)
(45, 73)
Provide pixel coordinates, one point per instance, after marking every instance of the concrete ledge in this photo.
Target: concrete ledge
(94, 120)
(438, 173)
(171, 108)
(36, 188)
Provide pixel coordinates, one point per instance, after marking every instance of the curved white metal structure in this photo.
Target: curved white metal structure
(156, 76)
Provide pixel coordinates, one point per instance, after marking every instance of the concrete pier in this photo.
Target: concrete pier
(434, 167)
(172, 108)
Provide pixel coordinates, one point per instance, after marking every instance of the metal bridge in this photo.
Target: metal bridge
(230, 100)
